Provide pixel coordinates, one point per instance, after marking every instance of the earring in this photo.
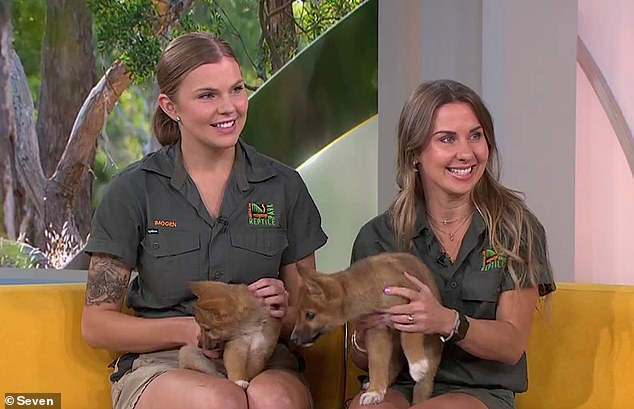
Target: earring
(178, 118)
(416, 166)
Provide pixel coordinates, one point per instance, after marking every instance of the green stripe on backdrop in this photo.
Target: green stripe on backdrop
(327, 89)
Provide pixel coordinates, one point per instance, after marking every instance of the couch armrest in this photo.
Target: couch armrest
(43, 351)
(580, 354)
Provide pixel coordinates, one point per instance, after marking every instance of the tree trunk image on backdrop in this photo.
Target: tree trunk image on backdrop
(47, 163)
(47, 148)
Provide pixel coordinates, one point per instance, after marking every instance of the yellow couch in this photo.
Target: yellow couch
(43, 352)
(581, 357)
(42, 349)
(580, 352)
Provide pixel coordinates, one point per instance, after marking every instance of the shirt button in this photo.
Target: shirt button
(454, 284)
(217, 275)
(155, 244)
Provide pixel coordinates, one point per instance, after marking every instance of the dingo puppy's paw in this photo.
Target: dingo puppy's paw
(419, 369)
(371, 398)
(242, 383)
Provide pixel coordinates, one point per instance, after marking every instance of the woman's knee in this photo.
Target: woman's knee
(227, 396)
(278, 389)
(182, 388)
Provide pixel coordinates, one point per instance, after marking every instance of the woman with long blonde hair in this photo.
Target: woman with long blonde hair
(487, 252)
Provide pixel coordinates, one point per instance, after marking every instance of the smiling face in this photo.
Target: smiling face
(456, 154)
(211, 103)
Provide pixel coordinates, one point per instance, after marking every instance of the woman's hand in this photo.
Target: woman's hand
(361, 325)
(423, 313)
(273, 294)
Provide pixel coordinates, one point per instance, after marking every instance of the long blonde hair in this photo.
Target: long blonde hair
(513, 230)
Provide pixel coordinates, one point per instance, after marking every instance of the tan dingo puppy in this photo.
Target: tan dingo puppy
(231, 317)
(329, 300)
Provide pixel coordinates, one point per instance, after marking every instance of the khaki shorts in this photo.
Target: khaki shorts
(134, 372)
(492, 398)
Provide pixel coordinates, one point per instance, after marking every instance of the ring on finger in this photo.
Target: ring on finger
(410, 318)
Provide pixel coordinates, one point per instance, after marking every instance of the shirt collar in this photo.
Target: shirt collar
(422, 224)
(161, 161)
(249, 166)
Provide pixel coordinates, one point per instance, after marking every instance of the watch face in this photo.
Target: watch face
(463, 327)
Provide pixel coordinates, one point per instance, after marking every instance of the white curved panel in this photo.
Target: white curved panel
(342, 179)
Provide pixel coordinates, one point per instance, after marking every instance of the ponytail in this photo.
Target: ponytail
(165, 128)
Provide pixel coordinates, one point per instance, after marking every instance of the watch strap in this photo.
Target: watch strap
(454, 330)
(462, 328)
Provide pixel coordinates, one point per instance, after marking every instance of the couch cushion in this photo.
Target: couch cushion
(581, 355)
(42, 347)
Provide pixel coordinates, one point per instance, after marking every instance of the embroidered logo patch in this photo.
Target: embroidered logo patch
(261, 214)
(491, 259)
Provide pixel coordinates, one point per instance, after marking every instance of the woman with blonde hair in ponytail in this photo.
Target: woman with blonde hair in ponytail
(487, 252)
(206, 206)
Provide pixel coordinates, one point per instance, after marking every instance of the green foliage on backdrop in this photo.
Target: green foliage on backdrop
(127, 135)
(21, 255)
(123, 30)
(28, 30)
(328, 89)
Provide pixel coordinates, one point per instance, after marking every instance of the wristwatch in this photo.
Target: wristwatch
(460, 328)
(463, 326)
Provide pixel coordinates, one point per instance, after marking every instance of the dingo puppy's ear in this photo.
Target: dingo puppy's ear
(196, 287)
(220, 310)
(224, 302)
(217, 305)
(313, 287)
(209, 288)
(304, 270)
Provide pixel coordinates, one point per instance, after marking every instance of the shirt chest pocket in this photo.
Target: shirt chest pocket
(257, 253)
(170, 259)
(480, 293)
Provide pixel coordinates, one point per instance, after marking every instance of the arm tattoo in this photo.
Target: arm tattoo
(107, 280)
